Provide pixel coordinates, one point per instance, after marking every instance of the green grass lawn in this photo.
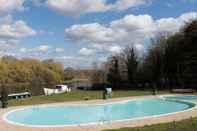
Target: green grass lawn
(185, 125)
(75, 96)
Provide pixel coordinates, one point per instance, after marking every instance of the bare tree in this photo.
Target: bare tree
(97, 77)
(154, 61)
(130, 59)
(113, 76)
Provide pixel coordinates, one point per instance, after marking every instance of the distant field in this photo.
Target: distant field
(76, 96)
(185, 125)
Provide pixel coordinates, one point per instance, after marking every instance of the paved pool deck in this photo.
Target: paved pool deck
(5, 126)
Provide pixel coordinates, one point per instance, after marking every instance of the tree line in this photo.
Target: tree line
(170, 62)
(29, 74)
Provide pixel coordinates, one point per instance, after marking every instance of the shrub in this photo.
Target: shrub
(4, 97)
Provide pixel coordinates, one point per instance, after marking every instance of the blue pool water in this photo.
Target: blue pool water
(181, 97)
(86, 114)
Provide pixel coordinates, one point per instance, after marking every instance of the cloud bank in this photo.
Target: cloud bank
(78, 7)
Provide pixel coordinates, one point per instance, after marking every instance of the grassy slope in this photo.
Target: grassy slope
(185, 125)
(74, 96)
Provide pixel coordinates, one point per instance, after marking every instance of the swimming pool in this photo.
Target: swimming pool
(45, 116)
(188, 97)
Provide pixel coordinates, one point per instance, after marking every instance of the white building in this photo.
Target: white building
(57, 90)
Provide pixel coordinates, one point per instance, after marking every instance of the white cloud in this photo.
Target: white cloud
(98, 51)
(115, 49)
(11, 33)
(94, 33)
(7, 54)
(66, 57)
(7, 19)
(173, 25)
(125, 4)
(139, 47)
(39, 49)
(86, 51)
(16, 30)
(59, 50)
(187, 17)
(45, 32)
(76, 61)
(7, 44)
(169, 24)
(43, 48)
(77, 7)
(7, 6)
(23, 50)
(134, 23)
(130, 29)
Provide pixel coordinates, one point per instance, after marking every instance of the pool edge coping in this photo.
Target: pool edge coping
(4, 116)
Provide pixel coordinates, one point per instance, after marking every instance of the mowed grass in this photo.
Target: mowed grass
(76, 96)
(185, 125)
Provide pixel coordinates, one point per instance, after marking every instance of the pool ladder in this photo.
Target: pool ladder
(104, 120)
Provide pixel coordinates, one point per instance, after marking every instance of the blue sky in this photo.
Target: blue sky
(80, 32)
